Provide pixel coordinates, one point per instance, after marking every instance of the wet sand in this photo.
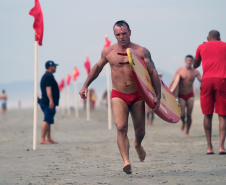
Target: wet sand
(87, 152)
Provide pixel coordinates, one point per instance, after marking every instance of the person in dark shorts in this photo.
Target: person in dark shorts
(49, 101)
(212, 54)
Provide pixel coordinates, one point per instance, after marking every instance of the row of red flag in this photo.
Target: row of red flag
(38, 26)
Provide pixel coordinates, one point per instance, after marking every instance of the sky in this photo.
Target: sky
(74, 29)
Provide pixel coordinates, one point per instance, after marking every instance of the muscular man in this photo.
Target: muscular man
(125, 96)
(3, 98)
(186, 94)
(212, 54)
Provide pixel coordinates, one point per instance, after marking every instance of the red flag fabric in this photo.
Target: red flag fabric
(68, 79)
(38, 25)
(61, 85)
(87, 65)
(75, 73)
(107, 42)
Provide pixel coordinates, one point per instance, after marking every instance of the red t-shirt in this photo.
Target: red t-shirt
(213, 56)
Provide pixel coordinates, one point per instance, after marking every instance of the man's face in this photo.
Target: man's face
(122, 34)
(53, 69)
(189, 62)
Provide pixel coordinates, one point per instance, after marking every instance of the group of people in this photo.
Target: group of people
(126, 98)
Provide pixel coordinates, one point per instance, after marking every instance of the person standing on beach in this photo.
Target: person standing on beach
(186, 95)
(125, 96)
(3, 98)
(49, 101)
(212, 54)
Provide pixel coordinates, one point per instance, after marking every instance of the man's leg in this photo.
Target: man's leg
(190, 103)
(182, 107)
(222, 131)
(138, 115)
(45, 133)
(208, 131)
(120, 112)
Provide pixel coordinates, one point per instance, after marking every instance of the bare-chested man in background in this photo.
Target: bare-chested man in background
(125, 96)
(3, 98)
(186, 94)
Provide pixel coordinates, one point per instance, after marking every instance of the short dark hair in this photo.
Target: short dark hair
(189, 56)
(121, 23)
(214, 34)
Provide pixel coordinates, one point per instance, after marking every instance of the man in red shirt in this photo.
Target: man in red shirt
(213, 87)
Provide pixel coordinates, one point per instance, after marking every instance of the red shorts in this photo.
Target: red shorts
(186, 96)
(129, 99)
(213, 94)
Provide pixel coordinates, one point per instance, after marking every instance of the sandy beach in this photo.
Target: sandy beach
(87, 152)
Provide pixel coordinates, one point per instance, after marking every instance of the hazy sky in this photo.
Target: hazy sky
(74, 29)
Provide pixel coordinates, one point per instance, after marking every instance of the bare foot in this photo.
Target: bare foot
(45, 142)
(53, 142)
(182, 127)
(127, 169)
(187, 135)
(140, 152)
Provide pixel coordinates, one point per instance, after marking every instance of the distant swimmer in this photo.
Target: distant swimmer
(3, 98)
(125, 95)
(186, 94)
(212, 55)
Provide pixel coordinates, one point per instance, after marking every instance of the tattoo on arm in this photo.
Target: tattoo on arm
(147, 55)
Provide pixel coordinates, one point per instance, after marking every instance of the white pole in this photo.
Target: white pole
(35, 95)
(88, 106)
(68, 101)
(76, 100)
(108, 96)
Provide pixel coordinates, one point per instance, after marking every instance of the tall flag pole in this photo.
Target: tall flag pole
(38, 26)
(88, 68)
(107, 44)
(68, 94)
(75, 76)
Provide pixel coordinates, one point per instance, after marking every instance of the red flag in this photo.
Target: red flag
(61, 85)
(68, 79)
(87, 65)
(75, 73)
(38, 25)
(107, 42)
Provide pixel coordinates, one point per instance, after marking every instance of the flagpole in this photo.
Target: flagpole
(35, 95)
(68, 101)
(88, 106)
(108, 97)
(76, 100)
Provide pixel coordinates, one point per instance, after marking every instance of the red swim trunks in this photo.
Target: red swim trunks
(186, 96)
(213, 94)
(129, 99)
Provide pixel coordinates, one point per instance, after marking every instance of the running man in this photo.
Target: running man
(125, 96)
(186, 95)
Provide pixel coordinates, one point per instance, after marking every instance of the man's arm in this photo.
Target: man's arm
(49, 94)
(94, 73)
(199, 76)
(196, 62)
(154, 76)
(174, 77)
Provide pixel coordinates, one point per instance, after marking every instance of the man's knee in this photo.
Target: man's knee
(140, 133)
(122, 128)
